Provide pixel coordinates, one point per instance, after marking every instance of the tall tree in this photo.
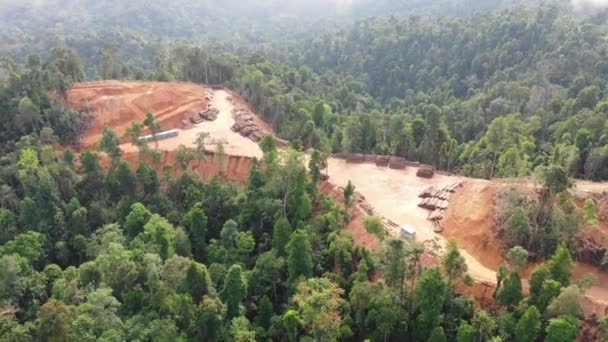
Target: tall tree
(349, 190)
(154, 127)
(265, 312)
(510, 292)
(562, 329)
(184, 156)
(195, 221)
(318, 301)
(373, 224)
(299, 256)
(281, 234)
(200, 141)
(198, 283)
(454, 264)
(234, 291)
(318, 161)
(430, 292)
(561, 264)
(528, 326)
(110, 144)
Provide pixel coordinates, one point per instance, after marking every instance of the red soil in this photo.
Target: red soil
(118, 103)
(233, 168)
(469, 220)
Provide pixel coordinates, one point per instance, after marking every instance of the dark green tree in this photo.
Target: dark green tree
(528, 326)
(110, 144)
(299, 256)
(430, 292)
(510, 292)
(561, 264)
(234, 291)
(281, 234)
(195, 222)
(198, 283)
(562, 329)
(265, 313)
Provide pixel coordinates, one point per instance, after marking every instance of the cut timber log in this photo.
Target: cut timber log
(355, 159)
(382, 161)
(367, 208)
(256, 136)
(246, 131)
(427, 192)
(444, 195)
(452, 187)
(436, 215)
(236, 127)
(397, 163)
(392, 224)
(425, 171)
(370, 158)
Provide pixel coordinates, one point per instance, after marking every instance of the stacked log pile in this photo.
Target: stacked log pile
(367, 208)
(370, 158)
(397, 163)
(355, 159)
(428, 192)
(433, 203)
(452, 187)
(209, 114)
(245, 125)
(436, 200)
(425, 171)
(382, 161)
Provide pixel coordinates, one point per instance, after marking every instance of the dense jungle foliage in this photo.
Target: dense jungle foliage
(90, 254)
(494, 95)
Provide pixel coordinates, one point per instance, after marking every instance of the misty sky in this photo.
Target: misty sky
(590, 2)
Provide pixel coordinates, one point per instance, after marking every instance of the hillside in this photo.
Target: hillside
(470, 218)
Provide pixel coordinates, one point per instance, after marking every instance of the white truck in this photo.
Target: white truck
(408, 232)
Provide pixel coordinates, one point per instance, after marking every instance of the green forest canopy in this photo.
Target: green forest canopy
(493, 95)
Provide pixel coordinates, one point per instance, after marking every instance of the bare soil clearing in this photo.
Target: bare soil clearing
(394, 195)
(117, 104)
(469, 220)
